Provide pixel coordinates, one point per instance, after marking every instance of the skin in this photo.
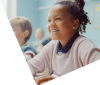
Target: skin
(20, 35)
(43, 79)
(40, 47)
(59, 19)
(39, 34)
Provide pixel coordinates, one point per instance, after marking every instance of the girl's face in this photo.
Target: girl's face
(60, 23)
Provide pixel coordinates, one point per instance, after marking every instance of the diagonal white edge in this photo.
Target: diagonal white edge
(11, 9)
(4, 4)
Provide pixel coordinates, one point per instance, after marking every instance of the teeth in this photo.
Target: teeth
(54, 30)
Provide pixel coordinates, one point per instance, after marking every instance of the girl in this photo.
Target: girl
(68, 50)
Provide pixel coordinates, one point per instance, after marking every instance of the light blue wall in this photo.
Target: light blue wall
(45, 2)
(28, 8)
(43, 15)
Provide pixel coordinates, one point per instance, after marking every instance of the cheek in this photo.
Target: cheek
(65, 26)
(48, 27)
(62, 24)
(15, 34)
(41, 35)
(18, 36)
(37, 35)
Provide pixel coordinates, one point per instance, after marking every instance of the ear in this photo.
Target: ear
(26, 33)
(76, 24)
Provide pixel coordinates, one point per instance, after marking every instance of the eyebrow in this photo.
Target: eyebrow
(57, 15)
(13, 27)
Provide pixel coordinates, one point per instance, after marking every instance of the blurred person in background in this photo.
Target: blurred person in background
(39, 38)
(44, 43)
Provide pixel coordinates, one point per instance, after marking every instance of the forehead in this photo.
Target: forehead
(58, 9)
(39, 30)
(17, 27)
(14, 26)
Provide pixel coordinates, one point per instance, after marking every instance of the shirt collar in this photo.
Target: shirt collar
(68, 45)
(24, 45)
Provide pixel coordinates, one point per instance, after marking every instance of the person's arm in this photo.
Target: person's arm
(43, 79)
(27, 57)
(40, 47)
(30, 53)
(43, 44)
(41, 60)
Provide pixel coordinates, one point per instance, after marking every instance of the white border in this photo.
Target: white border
(11, 9)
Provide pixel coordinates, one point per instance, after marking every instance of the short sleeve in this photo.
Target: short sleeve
(30, 52)
(29, 49)
(27, 57)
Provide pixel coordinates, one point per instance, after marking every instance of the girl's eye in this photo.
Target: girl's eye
(58, 18)
(49, 20)
(13, 30)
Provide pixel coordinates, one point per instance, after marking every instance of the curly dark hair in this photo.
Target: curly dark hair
(76, 10)
(81, 3)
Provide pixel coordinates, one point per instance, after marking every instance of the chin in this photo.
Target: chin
(54, 38)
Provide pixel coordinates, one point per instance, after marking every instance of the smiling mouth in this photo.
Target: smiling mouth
(55, 30)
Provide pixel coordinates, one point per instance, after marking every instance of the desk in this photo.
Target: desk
(46, 71)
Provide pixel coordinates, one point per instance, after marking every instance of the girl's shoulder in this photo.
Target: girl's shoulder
(82, 38)
(82, 41)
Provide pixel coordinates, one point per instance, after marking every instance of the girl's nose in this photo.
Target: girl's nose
(52, 23)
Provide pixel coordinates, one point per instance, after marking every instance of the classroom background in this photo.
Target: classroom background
(37, 12)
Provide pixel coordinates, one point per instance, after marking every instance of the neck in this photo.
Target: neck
(22, 43)
(66, 39)
(38, 40)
